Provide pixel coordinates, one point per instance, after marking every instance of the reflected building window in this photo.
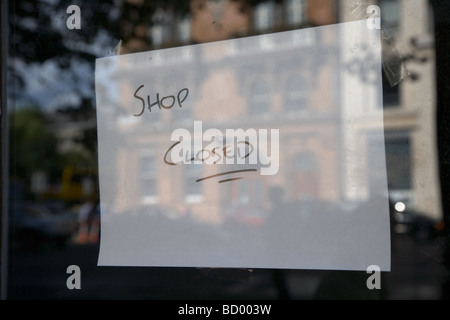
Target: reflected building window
(193, 191)
(260, 97)
(184, 29)
(398, 161)
(391, 94)
(148, 186)
(390, 14)
(263, 16)
(295, 12)
(296, 96)
(161, 30)
(305, 177)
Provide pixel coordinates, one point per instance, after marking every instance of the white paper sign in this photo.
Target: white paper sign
(259, 152)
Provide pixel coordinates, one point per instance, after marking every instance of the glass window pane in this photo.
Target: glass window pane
(50, 164)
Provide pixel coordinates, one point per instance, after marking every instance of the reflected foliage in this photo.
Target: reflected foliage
(33, 144)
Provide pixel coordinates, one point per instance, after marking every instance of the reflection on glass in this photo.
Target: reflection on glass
(295, 11)
(52, 103)
(390, 13)
(264, 16)
(319, 159)
(260, 97)
(398, 160)
(296, 93)
(148, 168)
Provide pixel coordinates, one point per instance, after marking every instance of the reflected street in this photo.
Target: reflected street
(41, 274)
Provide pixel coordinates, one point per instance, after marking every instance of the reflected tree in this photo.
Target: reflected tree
(52, 68)
(33, 145)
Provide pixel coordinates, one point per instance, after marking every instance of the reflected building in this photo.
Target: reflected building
(265, 88)
(274, 94)
(409, 100)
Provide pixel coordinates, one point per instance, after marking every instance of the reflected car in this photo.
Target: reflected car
(406, 220)
(34, 224)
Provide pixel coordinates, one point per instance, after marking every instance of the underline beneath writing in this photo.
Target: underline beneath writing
(226, 173)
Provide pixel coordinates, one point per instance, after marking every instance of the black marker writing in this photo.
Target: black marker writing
(166, 102)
